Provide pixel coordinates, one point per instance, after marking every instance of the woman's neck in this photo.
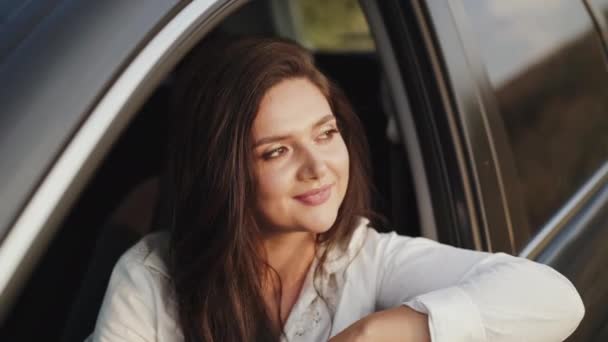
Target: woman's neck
(290, 254)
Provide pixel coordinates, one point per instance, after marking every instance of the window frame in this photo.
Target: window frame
(464, 100)
(38, 222)
(425, 121)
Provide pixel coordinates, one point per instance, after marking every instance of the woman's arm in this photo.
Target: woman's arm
(468, 295)
(398, 324)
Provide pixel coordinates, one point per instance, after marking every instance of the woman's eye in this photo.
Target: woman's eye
(328, 134)
(277, 152)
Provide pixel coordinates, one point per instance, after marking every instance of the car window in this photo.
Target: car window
(331, 26)
(550, 82)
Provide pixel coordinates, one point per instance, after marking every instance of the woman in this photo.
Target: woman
(269, 240)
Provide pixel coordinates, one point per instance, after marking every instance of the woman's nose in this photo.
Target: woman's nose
(313, 166)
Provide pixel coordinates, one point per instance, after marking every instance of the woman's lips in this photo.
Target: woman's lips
(315, 197)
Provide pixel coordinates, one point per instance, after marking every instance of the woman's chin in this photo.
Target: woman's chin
(317, 225)
(312, 221)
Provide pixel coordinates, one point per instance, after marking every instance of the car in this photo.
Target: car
(486, 123)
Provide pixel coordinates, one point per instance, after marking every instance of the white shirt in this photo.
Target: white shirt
(468, 295)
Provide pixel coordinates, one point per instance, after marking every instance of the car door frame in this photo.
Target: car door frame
(115, 106)
(445, 119)
(576, 229)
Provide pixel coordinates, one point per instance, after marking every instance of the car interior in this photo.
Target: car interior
(123, 200)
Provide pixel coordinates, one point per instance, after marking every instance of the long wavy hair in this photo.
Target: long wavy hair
(215, 260)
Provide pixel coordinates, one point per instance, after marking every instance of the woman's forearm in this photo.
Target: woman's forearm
(397, 324)
(393, 325)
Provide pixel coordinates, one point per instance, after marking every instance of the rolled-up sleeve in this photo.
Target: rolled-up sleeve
(476, 296)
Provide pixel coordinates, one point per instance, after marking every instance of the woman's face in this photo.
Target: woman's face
(301, 161)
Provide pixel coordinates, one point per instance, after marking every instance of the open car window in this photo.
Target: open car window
(331, 26)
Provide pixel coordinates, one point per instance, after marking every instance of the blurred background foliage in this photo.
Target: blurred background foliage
(332, 25)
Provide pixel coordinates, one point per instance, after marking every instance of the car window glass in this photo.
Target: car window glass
(550, 82)
(332, 26)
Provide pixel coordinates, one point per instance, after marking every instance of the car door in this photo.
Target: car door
(550, 95)
(73, 73)
(511, 103)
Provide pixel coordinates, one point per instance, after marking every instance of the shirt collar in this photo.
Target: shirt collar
(338, 259)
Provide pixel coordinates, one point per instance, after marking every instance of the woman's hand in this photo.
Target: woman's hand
(397, 324)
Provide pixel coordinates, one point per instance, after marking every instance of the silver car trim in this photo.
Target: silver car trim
(38, 222)
(560, 220)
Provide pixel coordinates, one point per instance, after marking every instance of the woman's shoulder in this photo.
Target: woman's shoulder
(139, 294)
(368, 237)
(371, 243)
(148, 255)
(365, 244)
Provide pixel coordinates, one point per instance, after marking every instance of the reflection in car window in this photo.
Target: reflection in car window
(550, 81)
(333, 26)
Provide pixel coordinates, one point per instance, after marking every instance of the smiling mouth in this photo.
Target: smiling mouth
(316, 196)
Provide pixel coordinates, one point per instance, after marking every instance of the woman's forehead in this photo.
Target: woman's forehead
(290, 106)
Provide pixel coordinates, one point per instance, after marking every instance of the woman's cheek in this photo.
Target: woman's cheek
(272, 179)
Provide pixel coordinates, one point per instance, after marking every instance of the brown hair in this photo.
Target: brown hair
(214, 257)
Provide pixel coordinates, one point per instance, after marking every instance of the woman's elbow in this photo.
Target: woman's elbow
(575, 309)
(568, 308)
(547, 305)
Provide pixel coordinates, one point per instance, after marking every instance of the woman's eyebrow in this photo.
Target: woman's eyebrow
(323, 120)
(270, 139)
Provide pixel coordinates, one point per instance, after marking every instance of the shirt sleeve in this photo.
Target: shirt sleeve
(127, 311)
(476, 296)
